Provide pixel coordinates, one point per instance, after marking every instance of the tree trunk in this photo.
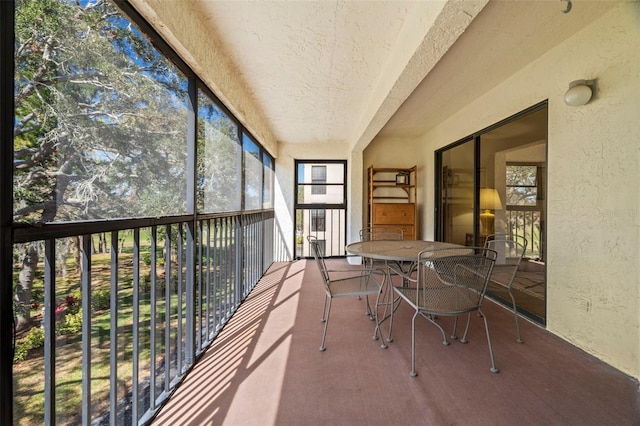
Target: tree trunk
(77, 253)
(63, 248)
(23, 288)
(103, 243)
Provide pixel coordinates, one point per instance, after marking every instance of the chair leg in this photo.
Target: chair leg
(377, 331)
(413, 372)
(515, 314)
(388, 294)
(493, 368)
(326, 324)
(454, 334)
(432, 320)
(369, 311)
(324, 309)
(466, 329)
(389, 338)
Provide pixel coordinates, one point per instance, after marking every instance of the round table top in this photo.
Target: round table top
(398, 250)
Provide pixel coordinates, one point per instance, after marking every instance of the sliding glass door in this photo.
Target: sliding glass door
(495, 182)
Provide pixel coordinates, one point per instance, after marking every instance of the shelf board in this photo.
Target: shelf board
(380, 197)
(393, 185)
(392, 169)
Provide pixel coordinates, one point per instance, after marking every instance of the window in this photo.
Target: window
(219, 174)
(318, 175)
(252, 166)
(522, 185)
(267, 192)
(104, 134)
(320, 209)
(318, 220)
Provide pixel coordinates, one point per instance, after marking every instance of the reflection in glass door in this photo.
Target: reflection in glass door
(495, 182)
(457, 192)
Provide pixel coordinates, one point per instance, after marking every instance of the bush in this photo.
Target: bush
(73, 302)
(101, 300)
(33, 340)
(71, 323)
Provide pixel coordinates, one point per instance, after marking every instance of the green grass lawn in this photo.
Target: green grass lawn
(29, 374)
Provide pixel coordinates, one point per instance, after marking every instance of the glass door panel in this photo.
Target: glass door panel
(512, 201)
(457, 194)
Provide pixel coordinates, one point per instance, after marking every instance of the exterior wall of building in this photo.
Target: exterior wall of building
(593, 221)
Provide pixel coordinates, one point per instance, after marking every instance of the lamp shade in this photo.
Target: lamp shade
(489, 199)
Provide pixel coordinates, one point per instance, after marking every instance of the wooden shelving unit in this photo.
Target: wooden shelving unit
(392, 198)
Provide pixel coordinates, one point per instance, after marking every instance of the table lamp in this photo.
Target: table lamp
(489, 200)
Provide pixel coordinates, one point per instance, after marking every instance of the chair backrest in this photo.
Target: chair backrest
(453, 280)
(510, 251)
(319, 257)
(381, 233)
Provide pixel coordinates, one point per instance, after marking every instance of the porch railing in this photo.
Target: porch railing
(527, 224)
(120, 334)
(328, 225)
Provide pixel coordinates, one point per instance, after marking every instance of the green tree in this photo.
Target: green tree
(100, 116)
(218, 167)
(100, 120)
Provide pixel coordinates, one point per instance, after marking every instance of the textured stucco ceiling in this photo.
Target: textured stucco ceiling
(345, 71)
(326, 71)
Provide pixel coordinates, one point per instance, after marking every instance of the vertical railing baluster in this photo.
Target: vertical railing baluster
(225, 283)
(167, 309)
(135, 397)
(240, 254)
(190, 284)
(152, 320)
(86, 329)
(50, 332)
(208, 280)
(200, 305)
(254, 248)
(225, 266)
(180, 338)
(113, 331)
(217, 277)
(245, 266)
(235, 278)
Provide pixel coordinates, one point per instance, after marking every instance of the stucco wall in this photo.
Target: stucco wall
(593, 222)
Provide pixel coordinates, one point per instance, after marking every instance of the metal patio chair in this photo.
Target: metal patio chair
(344, 283)
(449, 282)
(377, 233)
(510, 251)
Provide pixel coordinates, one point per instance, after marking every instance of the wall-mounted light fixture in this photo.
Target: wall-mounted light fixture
(580, 92)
